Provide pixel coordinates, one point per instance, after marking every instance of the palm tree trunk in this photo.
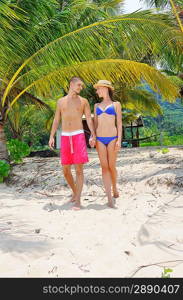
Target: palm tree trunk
(3, 149)
(176, 15)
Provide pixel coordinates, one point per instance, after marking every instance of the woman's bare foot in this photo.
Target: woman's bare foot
(77, 205)
(73, 198)
(111, 204)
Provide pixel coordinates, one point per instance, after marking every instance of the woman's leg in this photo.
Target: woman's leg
(102, 153)
(112, 156)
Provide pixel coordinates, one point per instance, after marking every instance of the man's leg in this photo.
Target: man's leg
(79, 184)
(70, 180)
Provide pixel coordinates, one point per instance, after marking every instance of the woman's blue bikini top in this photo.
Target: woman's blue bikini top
(108, 110)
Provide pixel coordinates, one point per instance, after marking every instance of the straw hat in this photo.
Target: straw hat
(105, 83)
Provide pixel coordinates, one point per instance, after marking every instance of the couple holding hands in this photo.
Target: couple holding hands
(106, 132)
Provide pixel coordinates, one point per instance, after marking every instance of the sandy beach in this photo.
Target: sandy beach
(41, 236)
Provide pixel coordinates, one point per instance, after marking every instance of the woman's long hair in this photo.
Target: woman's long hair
(111, 94)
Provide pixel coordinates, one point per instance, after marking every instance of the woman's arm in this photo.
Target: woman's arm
(119, 122)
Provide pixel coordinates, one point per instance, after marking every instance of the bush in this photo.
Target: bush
(165, 150)
(149, 144)
(17, 150)
(4, 170)
(166, 273)
(173, 140)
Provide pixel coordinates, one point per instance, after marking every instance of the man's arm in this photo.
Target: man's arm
(95, 117)
(55, 124)
(89, 120)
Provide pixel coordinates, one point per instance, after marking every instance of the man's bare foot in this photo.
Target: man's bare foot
(77, 206)
(115, 193)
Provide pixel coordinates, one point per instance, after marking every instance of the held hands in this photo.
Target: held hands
(92, 141)
(51, 143)
(117, 146)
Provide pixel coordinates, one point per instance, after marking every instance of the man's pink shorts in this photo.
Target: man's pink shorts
(73, 148)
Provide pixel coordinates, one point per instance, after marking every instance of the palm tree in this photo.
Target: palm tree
(175, 5)
(43, 48)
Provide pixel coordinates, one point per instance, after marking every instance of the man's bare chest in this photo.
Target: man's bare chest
(72, 109)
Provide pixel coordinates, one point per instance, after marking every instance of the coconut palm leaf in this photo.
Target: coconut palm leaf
(31, 99)
(129, 117)
(176, 80)
(127, 72)
(27, 99)
(161, 3)
(142, 102)
(23, 116)
(139, 31)
(176, 5)
(110, 6)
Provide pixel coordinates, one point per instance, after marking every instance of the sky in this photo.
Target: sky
(133, 5)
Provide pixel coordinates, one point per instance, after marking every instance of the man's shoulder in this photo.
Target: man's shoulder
(61, 99)
(84, 100)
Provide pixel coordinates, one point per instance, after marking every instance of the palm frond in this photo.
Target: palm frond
(142, 102)
(156, 3)
(111, 5)
(138, 31)
(161, 3)
(126, 72)
(29, 98)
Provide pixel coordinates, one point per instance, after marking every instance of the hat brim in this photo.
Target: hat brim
(104, 85)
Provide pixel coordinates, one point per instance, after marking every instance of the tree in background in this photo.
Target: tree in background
(44, 43)
(176, 6)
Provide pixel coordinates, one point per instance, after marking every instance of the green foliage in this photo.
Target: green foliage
(40, 148)
(147, 131)
(28, 124)
(161, 3)
(165, 273)
(4, 170)
(172, 140)
(17, 150)
(138, 100)
(44, 43)
(69, 38)
(165, 150)
(149, 144)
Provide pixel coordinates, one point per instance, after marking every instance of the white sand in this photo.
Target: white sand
(40, 236)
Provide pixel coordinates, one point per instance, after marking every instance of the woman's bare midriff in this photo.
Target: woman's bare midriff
(106, 126)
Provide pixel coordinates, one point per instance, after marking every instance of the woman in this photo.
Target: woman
(108, 127)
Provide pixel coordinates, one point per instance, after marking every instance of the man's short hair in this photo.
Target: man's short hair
(74, 79)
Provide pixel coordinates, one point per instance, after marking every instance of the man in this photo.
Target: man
(73, 145)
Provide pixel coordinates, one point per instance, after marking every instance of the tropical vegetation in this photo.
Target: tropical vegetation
(44, 43)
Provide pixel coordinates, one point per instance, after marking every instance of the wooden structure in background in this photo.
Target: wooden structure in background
(134, 128)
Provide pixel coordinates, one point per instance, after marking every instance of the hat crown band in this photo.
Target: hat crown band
(104, 83)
